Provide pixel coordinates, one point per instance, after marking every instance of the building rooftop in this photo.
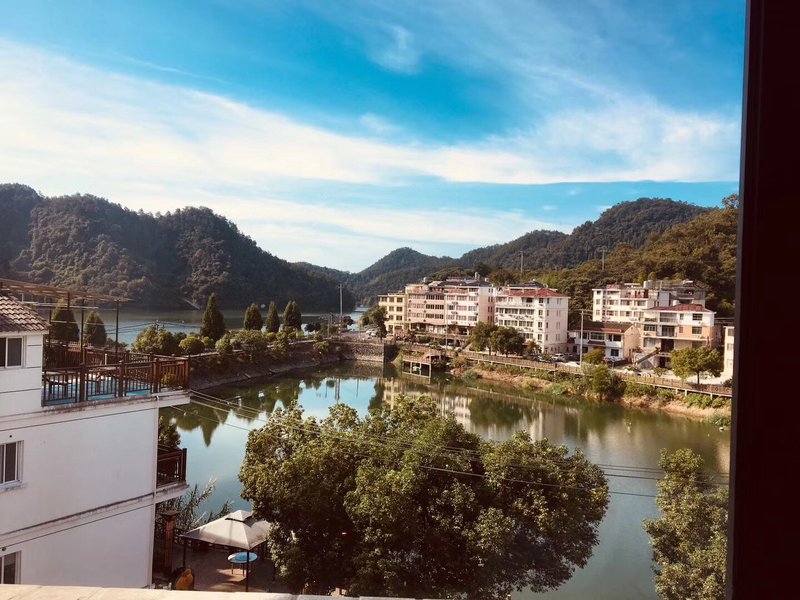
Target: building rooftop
(682, 307)
(605, 326)
(535, 293)
(16, 316)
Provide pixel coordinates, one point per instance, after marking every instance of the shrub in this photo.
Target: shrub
(639, 389)
(557, 389)
(719, 420)
(704, 401)
(471, 375)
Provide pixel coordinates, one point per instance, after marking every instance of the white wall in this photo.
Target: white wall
(21, 387)
(112, 552)
(86, 459)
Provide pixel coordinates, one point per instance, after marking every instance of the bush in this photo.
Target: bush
(557, 389)
(471, 375)
(704, 401)
(192, 344)
(639, 389)
(719, 420)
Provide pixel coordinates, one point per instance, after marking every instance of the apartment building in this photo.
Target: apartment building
(539, 313)
(626, 302)
(80, 467)
(727, 352)
(668, 328)
(395, 305)
(617, 340)
(450, 307)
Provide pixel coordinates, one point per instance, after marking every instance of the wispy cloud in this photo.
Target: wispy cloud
(394, 49)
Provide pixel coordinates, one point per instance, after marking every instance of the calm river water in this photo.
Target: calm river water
(625, 442)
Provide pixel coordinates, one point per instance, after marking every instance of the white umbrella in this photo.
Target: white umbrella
(238, 529)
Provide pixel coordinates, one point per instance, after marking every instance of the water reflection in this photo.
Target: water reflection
(626, 442)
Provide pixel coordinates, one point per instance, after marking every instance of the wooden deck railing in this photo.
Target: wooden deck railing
(72, 385)
(170, 466)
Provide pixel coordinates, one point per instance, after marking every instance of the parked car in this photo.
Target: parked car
(559, 358)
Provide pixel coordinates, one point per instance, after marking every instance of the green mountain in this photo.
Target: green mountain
(628, 223)
(166, 261)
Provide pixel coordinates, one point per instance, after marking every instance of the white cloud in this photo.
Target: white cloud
(67, 127)
(395, 50)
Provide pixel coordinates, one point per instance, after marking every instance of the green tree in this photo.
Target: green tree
(481, 335)
(192, 344)
(94, 330)
(406, 502)
(505, 340)
(188, 507)
(594, 357)
(273, 323)
(168, 434)
(606, 384)
(213, 324)
(158, 340)
(63, 327)
(292, 317)
(689, 539)
(532, 348)
(252, 318)
(696, 361)
(376, 316)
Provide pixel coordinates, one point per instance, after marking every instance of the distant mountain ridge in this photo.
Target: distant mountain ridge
(632, 223)
(82, 241)
(169, 260)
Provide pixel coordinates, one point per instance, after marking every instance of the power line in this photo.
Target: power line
(442, 452)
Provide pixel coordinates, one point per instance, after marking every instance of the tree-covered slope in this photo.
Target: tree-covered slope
(87, 242)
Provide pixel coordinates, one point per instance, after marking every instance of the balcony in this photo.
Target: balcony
(86, 383)
(170, 466)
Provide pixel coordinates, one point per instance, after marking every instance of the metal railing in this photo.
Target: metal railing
(71, 385)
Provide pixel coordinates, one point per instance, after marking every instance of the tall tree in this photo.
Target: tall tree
(252, 318)
(376, 316)
(689, 539)
(481, 335)
(696, 361)
(505, 340)
(405, 502)
(94, 330)
(273, 323)
(213, 325)
(292, 317)
(63, 327)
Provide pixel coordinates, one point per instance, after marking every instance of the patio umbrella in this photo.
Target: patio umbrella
(238, 529)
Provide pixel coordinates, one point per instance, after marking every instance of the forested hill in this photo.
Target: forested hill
(171, 260)
(629, 223)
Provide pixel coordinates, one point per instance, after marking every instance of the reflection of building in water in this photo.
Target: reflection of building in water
(487, 415)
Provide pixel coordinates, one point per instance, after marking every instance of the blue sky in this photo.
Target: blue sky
(335, 132)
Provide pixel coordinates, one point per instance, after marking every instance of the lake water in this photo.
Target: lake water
(625, 442)
(133, 321)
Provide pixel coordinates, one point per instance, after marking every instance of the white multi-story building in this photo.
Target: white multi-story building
(539, 313)
(451, 307)
(626, 302)
(80, 470)
(395, 305)
(618, 341)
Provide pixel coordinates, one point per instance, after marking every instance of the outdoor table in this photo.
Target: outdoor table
(240, 558)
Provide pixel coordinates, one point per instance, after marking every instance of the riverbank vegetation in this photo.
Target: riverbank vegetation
(406, 502)
(599, 383)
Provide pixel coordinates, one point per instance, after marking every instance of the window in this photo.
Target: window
(650, 328)
(9, 462)
(697, 330)
(697, 317)
(9, 568)
(10, 352)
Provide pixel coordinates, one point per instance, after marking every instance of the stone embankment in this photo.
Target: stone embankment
(205, 373)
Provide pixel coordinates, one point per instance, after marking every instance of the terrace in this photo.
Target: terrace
(78, 374)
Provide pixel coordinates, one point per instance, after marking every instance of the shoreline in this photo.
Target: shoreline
(521, 382)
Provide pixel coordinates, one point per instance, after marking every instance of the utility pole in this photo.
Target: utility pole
(602, 250)
(521, 254)
(580, 341)
(341, 320)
